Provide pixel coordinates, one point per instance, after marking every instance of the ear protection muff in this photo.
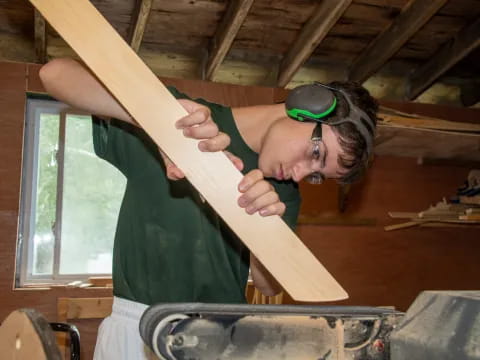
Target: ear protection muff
(310, 103)
(315, 102)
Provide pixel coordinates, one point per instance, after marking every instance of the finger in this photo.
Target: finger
(218, 142)
(205, 130)
(267, 204)
(197, 117)
(173, 172)
(235, 160)
(250, 179)
(255, 192)
(190, 106)
(277, 208)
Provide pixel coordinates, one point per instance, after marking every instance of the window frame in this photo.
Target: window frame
(29, 184)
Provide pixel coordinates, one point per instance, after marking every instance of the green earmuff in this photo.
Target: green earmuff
(310, 103)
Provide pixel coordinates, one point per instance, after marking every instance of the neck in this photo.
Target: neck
(253, 122)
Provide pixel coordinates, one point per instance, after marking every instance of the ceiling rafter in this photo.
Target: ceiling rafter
(140, 18)
(318, 26)
(415, 14)
(40, 38)
(232, 21)
(451, 53)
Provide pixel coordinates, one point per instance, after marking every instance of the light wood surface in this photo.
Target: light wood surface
(152, 106)
(25, 334)
(83, 308)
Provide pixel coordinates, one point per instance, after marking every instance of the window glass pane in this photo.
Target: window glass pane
(92, 193)
(45, 202)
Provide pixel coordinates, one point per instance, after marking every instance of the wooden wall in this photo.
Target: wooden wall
(375, 267)
(15, 80)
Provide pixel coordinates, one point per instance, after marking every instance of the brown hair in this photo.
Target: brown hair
(354, 157)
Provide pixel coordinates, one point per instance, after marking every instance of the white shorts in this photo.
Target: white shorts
(118, 335)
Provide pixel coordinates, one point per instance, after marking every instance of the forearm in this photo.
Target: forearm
(262, 279)
(70, 82)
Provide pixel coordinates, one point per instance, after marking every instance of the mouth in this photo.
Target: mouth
(279, 175)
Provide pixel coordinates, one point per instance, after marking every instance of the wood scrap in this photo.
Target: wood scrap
(473, 200)
(395, 118)
(440, 213)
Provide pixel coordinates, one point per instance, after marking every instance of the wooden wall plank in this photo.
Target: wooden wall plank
(412, 18)
(140, 19)
(450, 54)
(229, 27)
(322, 20)
(40, 38)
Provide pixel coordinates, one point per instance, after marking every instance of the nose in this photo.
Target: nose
(300, 171)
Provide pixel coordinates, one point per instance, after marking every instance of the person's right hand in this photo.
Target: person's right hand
(198, 124)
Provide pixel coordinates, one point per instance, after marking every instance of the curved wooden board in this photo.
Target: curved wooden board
(25, 334)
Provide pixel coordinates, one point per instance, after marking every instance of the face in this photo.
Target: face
(288, 153)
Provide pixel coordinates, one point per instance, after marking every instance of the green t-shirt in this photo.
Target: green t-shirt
(170, 246)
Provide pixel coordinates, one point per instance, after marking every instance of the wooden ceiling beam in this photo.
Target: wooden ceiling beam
(415, 14)
(226, 33)
(317, 27)
(40, 38)
(139, 22)
(465, 41)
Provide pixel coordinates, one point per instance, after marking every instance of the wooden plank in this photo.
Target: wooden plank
(84, 308)
(100, 281)
(141, 14)
(426, 143)
(40, 38)
(322, 20)
(412, 18)
(450, 54)
(426, 123)
(402, 225)
(402, 215)
(147, 100)
(235, 16)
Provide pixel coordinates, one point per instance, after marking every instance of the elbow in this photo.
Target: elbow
(51, 73)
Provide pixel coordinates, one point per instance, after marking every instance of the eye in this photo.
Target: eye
(315, 151)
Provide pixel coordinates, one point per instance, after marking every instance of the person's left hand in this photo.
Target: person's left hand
(198, 124)
(258, 195)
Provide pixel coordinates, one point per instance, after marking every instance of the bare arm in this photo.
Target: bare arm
(70, 82)
(260, 196)
(262, 279)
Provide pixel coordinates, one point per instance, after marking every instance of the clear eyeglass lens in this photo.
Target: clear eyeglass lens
(316, 154)
(315, 178)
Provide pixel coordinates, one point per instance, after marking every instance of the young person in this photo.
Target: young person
(170, 246)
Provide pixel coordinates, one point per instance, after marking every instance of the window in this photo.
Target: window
(70, 198)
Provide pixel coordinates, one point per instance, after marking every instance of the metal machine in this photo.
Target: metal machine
(438, 325)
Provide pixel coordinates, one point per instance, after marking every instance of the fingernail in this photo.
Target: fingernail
(250, 209)
(241, 202)
(243, 186)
